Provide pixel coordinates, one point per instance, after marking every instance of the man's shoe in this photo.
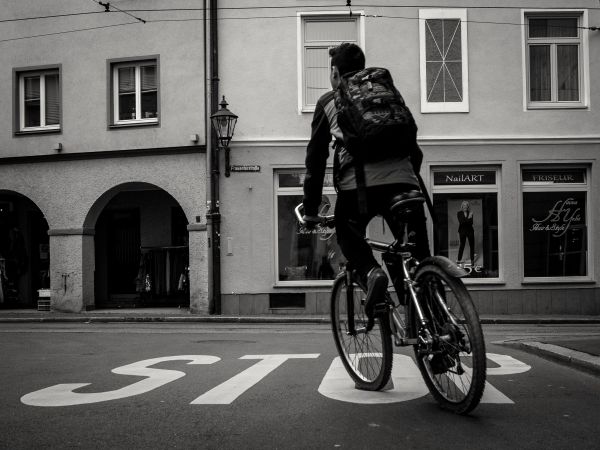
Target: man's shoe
(377, 283)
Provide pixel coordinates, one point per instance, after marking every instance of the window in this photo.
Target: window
(465, 201)
(555, 222)
(554, 55)
(135, 98)
(317, 34)
(444, 69)
(39, 101)
(304, 255)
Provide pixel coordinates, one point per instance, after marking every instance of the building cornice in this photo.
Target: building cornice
(439, 140)
(106, 154)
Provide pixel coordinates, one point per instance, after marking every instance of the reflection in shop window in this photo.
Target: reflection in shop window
(555, 223)
(467, 228)
(304, 255)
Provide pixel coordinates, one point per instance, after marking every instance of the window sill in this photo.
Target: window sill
(139, 124)
(552, 106)
(556, 280)
(37, 131)
(304, 284)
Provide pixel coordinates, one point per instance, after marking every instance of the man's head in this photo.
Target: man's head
(345, 58)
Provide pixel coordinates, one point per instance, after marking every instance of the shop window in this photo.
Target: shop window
(465, 201)
(304, 255)
(555, 53)
(444, 69)
(317, 34)
(39, 100)
(555, 215)
(134, 92)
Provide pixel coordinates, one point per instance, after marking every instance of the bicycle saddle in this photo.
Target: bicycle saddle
(406, 198)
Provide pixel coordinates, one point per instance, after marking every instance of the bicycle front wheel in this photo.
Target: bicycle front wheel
(453, 365)
(366, 355)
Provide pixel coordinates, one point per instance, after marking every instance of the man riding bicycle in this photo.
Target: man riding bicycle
(383, 181)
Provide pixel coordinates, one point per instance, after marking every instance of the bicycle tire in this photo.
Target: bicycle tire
(454, 386)
(367, 356)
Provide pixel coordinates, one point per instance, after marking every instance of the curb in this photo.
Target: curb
(572, 358)
(167, 319)
(265, 319)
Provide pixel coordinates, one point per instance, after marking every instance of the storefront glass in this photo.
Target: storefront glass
(555, 223)
(302, 254)
(466, 206)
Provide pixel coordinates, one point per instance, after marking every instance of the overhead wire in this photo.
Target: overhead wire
(107, 6)
(109, 9)
(250, 8)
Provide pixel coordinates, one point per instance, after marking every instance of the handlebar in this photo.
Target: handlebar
(328, 221)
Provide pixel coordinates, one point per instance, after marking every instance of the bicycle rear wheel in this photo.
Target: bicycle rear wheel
(367, 355)
(454, 365)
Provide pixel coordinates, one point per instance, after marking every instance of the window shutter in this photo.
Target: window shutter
(126, 80)
(32, 88)
(316, 66)
(52, 100)
(148, 74)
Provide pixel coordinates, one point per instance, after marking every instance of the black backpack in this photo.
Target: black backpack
(373, 117)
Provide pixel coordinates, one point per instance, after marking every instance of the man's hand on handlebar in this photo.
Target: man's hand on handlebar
(311, 222)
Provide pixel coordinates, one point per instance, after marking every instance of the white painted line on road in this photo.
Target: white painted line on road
(408, 384)
(63, 395)
(508, 365)
(228, 391)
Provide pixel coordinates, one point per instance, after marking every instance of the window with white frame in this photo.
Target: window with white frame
(317, 34)
(465, 201)
(39, 101)
(554, 56)
(444, 69)
(135, 92)
(304, 256)
(555, 218)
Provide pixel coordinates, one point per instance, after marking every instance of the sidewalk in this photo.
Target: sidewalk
(581, 353)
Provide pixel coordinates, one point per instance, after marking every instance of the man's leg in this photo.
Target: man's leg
(351, 229)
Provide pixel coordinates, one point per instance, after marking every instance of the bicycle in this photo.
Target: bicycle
(440, 320)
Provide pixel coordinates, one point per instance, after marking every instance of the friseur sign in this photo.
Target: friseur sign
(464, 177)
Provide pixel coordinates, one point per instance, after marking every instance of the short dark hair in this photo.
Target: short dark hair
(347, 57)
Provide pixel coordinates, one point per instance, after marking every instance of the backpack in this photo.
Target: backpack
(373, 117)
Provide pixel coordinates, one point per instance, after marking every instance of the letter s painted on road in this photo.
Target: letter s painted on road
(63, 395)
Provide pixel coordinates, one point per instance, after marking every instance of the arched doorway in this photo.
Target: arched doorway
(141, 249)
(24, 251)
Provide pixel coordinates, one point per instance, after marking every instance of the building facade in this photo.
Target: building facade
(102, 157)
(103, 182)
(505, 100)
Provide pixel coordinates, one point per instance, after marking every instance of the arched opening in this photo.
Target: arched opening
(24, 251)
(141, 249)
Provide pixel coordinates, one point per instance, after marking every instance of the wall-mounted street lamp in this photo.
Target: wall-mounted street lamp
(224, 123)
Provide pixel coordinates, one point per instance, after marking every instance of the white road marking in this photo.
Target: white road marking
(408, 384)
(508, 365)
(228, 391)
(63, 395)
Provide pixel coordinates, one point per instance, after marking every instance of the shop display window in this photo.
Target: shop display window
(555, 216)
(466, 206)
(304, 255)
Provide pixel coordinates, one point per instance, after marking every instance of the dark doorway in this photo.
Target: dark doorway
(24, 251)
(122, 254)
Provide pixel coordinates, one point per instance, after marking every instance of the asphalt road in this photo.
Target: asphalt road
(269, 386)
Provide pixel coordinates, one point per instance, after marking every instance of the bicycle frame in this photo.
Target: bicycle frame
(394, 255)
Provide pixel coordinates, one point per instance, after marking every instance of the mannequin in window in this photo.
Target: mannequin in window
(466, 231)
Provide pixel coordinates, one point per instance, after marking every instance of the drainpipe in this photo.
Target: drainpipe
(213, 214)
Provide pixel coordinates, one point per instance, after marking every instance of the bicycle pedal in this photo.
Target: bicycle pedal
(380, 308)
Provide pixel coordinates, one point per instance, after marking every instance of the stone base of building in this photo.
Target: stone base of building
(574, 301)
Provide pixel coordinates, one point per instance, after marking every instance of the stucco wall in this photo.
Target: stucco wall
(496, 74)
(83, 58)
